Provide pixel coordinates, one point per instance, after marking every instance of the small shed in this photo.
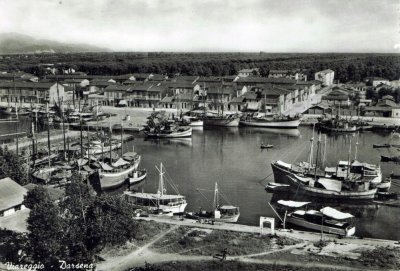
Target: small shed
(11, 196)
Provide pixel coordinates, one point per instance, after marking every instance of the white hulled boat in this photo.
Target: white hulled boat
(116, 174)
(328, 220)
(160, 201)
(222, 213)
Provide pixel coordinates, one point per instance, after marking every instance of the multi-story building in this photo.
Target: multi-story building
(325, 76)
(31, 92)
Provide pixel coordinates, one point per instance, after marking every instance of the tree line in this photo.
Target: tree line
(347, 67)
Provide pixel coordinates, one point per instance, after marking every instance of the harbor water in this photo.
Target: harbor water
(233, 158)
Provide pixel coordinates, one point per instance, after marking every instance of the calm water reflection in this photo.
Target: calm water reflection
(233, 158)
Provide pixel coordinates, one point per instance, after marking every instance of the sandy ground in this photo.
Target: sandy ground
(346, 247)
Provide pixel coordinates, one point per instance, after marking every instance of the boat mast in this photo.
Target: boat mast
(216, 197)
(348, 162)
(122, 140)
(161, 181)
(323, 157)
(48, 131)
(316, 157)
(110, 141)
(17, 127)
(311, 148)
(355, 154)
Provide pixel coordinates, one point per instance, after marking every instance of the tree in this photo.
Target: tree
(45, 229)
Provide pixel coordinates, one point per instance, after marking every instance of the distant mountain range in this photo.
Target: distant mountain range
(15, 43)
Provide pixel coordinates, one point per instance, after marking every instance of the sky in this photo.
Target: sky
(211, 25)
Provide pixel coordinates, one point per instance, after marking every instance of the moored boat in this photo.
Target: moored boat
(137, 176)
(228, 120)
(160, 201)
(375, 146)
(324, 186)
(266, 146)
(272, 121)
(220, 213)
(171, 132)
(115, 175)
(327, 220)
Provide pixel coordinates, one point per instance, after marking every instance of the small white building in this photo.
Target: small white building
(11, 196)
(325, 76)
(248, 72)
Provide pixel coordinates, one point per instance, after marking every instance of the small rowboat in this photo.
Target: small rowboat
(137, 176)
(268, 146)
(381, 146)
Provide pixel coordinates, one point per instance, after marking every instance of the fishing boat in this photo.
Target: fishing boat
(328, 220)
(270, 121)
(226, 120)
(348, 180)
(193, 121)
(98, 146)
(337, 125)
(115, 174)
(173, 131)
(385, 185)
(266, 146)
(385, 158)
(137, 176)
(220, 213)
(375, 146)
(160, 201)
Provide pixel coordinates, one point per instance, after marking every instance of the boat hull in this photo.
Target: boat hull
(186, 133)
(285, 176)
(100, 150)
(113, 180)
(138, 179)
(339, 130)
(317, 227)
(287, 124)
(224, 122)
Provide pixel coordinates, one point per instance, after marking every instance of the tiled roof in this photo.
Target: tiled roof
(237, 100)
(117, 88)
(33, 85)
(167, 99)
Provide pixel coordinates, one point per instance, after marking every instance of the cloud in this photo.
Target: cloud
(168, 25)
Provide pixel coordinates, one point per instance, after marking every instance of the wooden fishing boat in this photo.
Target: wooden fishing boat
(325, 186)
(274, 121)
(229, 120)
(116, 174)
(220, 213)
(158, 202)
(173, 132)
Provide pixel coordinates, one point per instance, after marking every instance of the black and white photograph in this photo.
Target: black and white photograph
(200, 135)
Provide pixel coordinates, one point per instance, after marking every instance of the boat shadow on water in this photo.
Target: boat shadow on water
(171, 141)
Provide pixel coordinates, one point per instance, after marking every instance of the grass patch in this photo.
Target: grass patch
(221, 266)
(145, 232)
(385, 257)
(188, 241)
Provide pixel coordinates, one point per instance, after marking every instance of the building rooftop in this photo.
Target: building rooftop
(11, 193)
